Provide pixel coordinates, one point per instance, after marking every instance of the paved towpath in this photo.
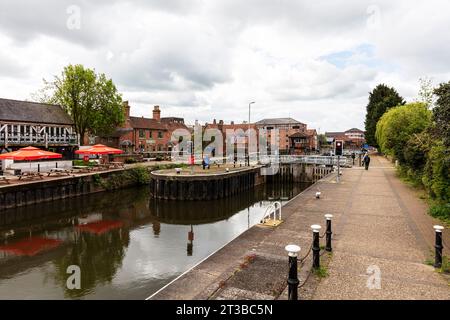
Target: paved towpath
(379, 225)
(384, 228)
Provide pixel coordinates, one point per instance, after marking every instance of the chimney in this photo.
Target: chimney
(126, 110)
(156, 113)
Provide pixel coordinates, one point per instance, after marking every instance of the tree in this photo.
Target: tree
(441, 113)
(91, 99)
(398, 125)
(426, 92)
(381, 99)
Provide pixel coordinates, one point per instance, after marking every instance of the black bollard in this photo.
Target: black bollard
(292, 281)
(316, 246)
(438, 246)
(328, 232)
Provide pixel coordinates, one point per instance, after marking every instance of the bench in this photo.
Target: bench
(82, 169)
(117, 165)
(4, 179)
(59, 171)
(30, 175)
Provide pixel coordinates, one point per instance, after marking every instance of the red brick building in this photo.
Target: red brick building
(144, 135)
(239, 128)
(353, 138)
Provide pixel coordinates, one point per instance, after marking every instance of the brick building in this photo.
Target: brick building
(241, 134)
(353, 138)
(144, 135)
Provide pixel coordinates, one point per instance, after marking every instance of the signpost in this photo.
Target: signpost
(338, 150)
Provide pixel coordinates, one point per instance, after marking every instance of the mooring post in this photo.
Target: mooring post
(293, 281)
(316, 246)
(438, 246)
(328, 218)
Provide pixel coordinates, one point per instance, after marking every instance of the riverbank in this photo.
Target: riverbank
(377, 223)
(18, 193)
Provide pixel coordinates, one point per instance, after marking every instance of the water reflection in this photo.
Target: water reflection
(126, 245)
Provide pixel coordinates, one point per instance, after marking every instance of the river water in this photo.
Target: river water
(126, 245)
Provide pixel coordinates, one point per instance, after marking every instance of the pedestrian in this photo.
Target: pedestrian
(366, 161)
(353, 158)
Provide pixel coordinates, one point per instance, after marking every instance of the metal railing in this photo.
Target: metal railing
(30, 139)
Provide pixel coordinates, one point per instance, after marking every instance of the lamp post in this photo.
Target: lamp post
(248, 131)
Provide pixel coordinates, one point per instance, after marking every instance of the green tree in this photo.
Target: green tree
(91, 99)
(426, 92)
(441, 113)
(381, 99)
(398, 125)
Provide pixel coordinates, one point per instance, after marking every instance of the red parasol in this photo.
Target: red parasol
(31, 246)
(100, 227)
(99, 149)
(30, 153)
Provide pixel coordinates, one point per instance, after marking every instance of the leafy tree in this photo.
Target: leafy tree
(90, 99)
(322, 139)
(398, 125)
(426, 92)
(381, 99)
(441, 113)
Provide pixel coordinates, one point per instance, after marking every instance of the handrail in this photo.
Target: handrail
(274, 207)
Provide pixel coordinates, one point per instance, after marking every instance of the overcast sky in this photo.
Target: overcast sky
(314, 61)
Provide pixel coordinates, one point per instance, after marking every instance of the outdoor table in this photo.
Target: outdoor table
(82, 168)
(58, 171)
(30, 175)
(117, 165)
(4, 179)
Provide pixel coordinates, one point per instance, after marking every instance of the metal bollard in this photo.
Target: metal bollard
(316, 246)
(328, 233)
(292, 281)
(438, 246)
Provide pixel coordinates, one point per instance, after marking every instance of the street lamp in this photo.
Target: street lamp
(248, 131)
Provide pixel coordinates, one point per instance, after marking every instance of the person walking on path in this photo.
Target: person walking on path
(366, 161)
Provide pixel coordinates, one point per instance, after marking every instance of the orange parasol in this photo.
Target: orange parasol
(29, 153)
(99, 149)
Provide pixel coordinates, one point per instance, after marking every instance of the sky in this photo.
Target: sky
(314, 61)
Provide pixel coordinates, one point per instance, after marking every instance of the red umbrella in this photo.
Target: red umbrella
(99, 149)
(30, 247)
(29, 153)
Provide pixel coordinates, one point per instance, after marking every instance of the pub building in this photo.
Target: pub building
(41, 125)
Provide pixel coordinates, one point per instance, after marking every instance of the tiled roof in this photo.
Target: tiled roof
(25, 111)
(146, 123)
(278, 121)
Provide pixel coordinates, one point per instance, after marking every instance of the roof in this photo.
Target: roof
(278, 121)
(334, 134)
(311, 132)
(298, 135)
(146, 123)
(355, 130)
(26, 111)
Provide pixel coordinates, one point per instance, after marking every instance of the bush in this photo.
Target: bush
(130, 160)
(82, 163)
(440, 211)
(436, 176)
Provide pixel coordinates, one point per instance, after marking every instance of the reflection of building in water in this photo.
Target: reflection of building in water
(190, 244)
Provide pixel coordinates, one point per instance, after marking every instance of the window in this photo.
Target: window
(160, 134)
(141, 133)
